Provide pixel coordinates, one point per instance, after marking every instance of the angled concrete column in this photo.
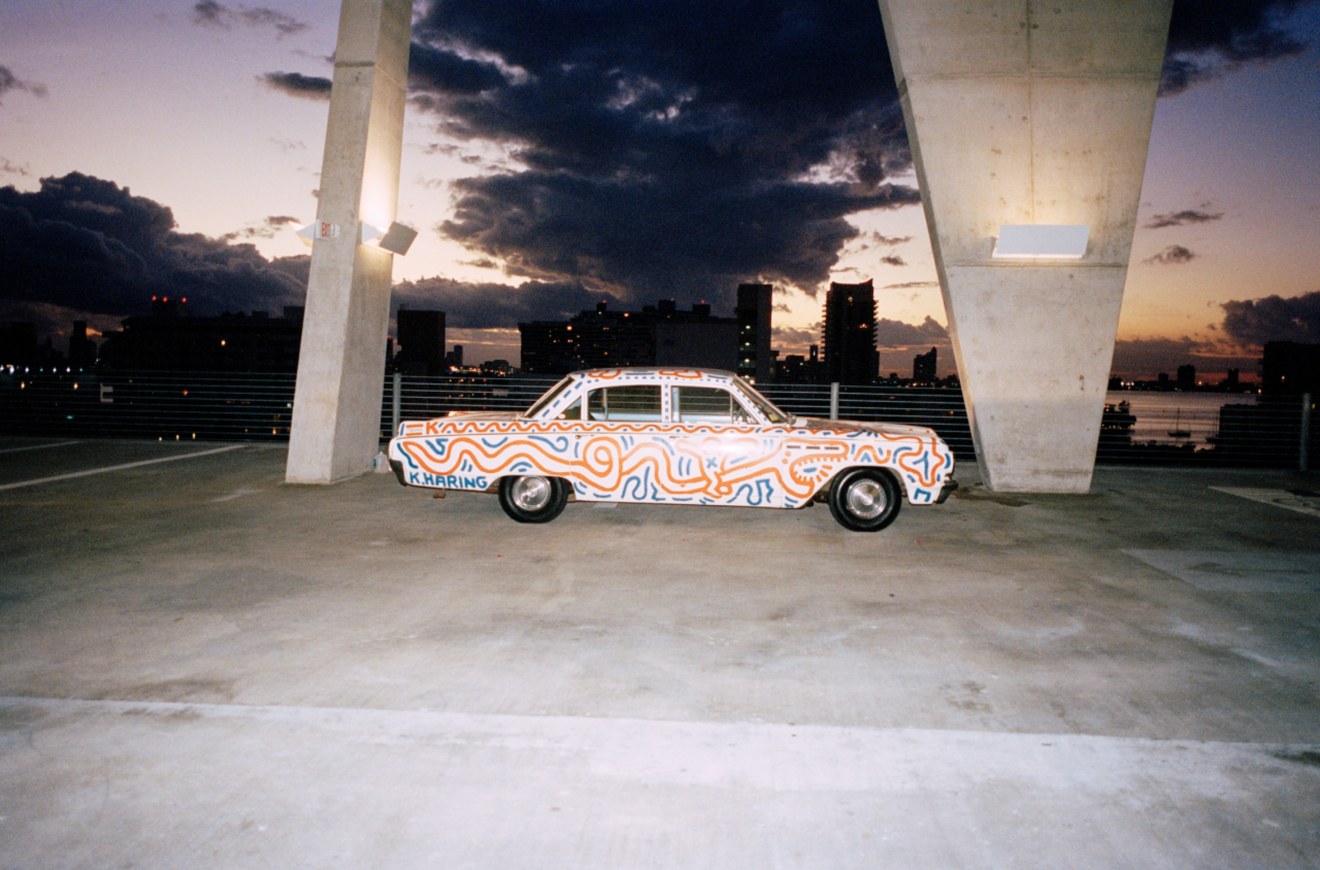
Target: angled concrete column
(1025, 112)
(341, 364)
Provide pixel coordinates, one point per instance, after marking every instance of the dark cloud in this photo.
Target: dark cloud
(431, 69)
(212, 14)
(679, 147)
(289, 145)
(10, 82)
(908, 285)
(89, 245)
(794, 339)
(639, 242)
(473, 305)
(665, 147)
(298, 85)
(266, 229)
(282, 24)
(1173, 255)
(9, 168)
(1248, 324)
(1182, 218)
(1253, 322)
(893, 260)
(1142, 358)
(1208, 38)
(209, 12)
(896, 333)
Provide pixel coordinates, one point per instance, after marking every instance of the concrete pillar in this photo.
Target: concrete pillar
(341, 365)
(1026, 112)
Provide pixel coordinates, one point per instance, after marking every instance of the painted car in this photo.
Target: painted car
(673, 436)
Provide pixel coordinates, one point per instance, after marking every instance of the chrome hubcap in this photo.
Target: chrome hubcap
(866, 499)
(531, 493)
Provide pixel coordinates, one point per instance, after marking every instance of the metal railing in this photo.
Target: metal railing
(250, 407)
(223, 406)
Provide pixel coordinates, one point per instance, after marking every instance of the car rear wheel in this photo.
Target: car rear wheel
(865, 499)
(533, 499)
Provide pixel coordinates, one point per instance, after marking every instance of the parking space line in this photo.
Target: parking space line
(38, 446)
(109, 468)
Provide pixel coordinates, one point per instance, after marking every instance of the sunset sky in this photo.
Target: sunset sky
(559, 154)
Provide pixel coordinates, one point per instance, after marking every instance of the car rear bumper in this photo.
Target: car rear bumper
(950, 486)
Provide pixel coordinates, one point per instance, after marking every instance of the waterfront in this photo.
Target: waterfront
(1159, 413)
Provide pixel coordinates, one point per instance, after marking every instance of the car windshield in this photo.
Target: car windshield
(546, 400)
(762, 404)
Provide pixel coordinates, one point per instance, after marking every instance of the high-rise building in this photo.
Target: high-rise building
(924, 367)
(797, 369)
(82, 350)
(171, 339)
(421, 342)
(753, 315)
(1187, 377)
(1290, 369)
(657, 335)
(18, 343)
(849, 333)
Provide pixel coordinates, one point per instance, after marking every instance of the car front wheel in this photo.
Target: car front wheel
(533, 499)
(865, 499)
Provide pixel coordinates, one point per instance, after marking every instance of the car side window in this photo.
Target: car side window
(629, 403)
(707, 405)
(572, 412)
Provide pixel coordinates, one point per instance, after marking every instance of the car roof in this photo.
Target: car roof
(659, 373)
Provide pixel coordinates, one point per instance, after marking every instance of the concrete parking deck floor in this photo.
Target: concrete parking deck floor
(201, 666)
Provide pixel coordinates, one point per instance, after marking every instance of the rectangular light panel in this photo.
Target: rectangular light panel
(1041, 242)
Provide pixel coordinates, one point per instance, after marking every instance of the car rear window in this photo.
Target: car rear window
(706, 405)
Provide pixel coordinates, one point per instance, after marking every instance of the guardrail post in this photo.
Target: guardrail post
(396, 403)
(1304, 455)
(834, 400)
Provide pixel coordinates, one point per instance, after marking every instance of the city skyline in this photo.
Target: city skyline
(548, 170)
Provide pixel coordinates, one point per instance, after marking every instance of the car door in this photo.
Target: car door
(723, 453)
(619, 455)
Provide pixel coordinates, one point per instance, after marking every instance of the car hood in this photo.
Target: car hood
(820, 424)
(481, 415)
(415, 428)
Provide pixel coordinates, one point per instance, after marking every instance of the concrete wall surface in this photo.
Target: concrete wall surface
(1027, 113)
(335, 429)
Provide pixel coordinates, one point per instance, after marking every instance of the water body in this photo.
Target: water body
(1160, 413)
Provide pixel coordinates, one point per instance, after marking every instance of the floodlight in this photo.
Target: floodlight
(398, 239)
(318, 230)
(1041, 242)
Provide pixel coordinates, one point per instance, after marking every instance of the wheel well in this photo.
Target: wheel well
(494, 486)
(824, 492)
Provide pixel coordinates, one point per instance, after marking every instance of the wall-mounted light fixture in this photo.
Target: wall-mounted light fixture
(318, 230)
(397, 239)
(1041, 242)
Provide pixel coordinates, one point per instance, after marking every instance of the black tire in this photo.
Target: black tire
(533, 499)
(865, 499)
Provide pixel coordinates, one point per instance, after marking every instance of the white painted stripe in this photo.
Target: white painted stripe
(39, 446)
(806, 757)
(1305, 504)
(71, 475)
